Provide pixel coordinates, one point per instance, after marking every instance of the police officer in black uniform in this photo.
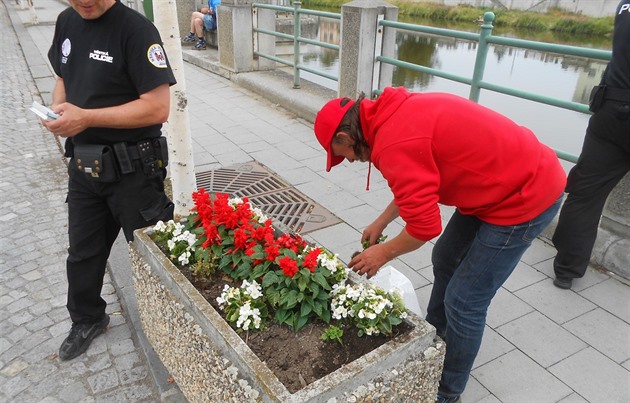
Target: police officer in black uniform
(112, 95)
(604, 160)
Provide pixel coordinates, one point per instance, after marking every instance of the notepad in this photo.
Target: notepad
(43, 111)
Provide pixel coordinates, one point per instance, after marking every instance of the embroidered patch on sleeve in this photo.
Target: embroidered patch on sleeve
(156, 56)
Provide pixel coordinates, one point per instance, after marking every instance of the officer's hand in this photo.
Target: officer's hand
(72, 120)
(370, 260)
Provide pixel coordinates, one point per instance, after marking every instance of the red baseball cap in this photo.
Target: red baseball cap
(326, 123)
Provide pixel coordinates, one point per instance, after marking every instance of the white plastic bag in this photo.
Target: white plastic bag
(390, 279)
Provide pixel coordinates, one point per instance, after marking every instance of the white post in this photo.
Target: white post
(181, 166)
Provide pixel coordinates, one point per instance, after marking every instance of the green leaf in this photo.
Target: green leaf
(270, 278)
(318, 309)
(306, 310)
(301, 321)
(319, 278)
(302, 283)
(291, 299)
(395, 321)
(387, 327)
(325, 316)
(282, 316)
(314, 287)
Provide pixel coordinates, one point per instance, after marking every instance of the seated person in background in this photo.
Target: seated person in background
(203, 19)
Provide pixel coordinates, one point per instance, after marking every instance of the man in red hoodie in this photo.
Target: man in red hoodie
(435, 148)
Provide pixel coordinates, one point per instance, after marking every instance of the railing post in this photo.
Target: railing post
(482, 55)
(264, 18)
(235, 35)
(297, 32)
(359, 37)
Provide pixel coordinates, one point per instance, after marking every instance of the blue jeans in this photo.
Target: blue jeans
(471, 260)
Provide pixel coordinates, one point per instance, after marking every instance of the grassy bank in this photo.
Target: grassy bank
(555, 20)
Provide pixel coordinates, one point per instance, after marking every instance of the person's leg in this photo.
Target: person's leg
(604, 160)
(192, 35)
(139, 201)
(198, 24)
(200, 44)
(493, 255)
(92, 232)
(448, 252)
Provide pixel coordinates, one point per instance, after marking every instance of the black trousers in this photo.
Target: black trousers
(604, 161)
(96, 213)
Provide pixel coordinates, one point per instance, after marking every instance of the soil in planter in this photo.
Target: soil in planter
(296, 358)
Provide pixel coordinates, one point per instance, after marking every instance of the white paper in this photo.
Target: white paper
(43, 112)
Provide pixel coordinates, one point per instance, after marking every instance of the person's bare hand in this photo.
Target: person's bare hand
(72, 120)
(371, 234)
(370, 260)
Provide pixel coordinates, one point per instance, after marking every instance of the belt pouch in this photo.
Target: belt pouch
(97, 162)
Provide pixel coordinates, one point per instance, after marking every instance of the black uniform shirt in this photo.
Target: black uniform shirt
(109, 61)
(617, 72)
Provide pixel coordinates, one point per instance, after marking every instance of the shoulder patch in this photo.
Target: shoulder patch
(156, 56)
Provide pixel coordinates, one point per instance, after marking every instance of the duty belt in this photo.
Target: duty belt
(152, 153)
(617, 94)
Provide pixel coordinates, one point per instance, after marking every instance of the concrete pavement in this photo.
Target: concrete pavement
(541, 343)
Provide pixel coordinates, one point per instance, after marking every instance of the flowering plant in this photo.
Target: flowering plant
(281, 272)
(369, 308)
(244, 306)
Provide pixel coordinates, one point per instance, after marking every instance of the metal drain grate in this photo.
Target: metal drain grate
(271, 194)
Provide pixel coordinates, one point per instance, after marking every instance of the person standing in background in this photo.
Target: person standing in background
(603, 162)
(112, 95)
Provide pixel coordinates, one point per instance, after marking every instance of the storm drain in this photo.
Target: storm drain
(268, 192)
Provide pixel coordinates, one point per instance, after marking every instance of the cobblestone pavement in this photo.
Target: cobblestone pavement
(32, 266)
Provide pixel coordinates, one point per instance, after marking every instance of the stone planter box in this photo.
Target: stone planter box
(210, 362)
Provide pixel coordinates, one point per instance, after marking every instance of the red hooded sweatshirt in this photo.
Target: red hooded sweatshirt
(440, 148)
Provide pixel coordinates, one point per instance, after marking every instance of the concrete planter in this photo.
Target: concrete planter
(210, 362)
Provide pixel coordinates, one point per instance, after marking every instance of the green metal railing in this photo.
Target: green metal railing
(476, 82)
(297, 39)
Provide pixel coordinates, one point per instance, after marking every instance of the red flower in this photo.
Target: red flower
(288, 266)
(272, 252)
(310, 260)
(240, 238)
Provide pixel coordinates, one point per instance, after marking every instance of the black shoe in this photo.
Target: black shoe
(564, 283)
(443, 399)
(80, 337)
(201, 44)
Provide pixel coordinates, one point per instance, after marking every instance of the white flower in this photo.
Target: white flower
(235, 201)
(159, 226)
(246, 314)
(252, 289)
(259, 214)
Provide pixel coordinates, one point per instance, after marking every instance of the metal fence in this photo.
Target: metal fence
(476, 81)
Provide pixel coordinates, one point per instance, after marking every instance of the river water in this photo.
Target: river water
(566, 78)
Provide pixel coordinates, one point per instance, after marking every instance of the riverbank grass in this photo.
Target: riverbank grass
(554, 20)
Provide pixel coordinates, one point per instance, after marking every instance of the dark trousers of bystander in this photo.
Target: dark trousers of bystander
(96, 213)
(604, 161)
